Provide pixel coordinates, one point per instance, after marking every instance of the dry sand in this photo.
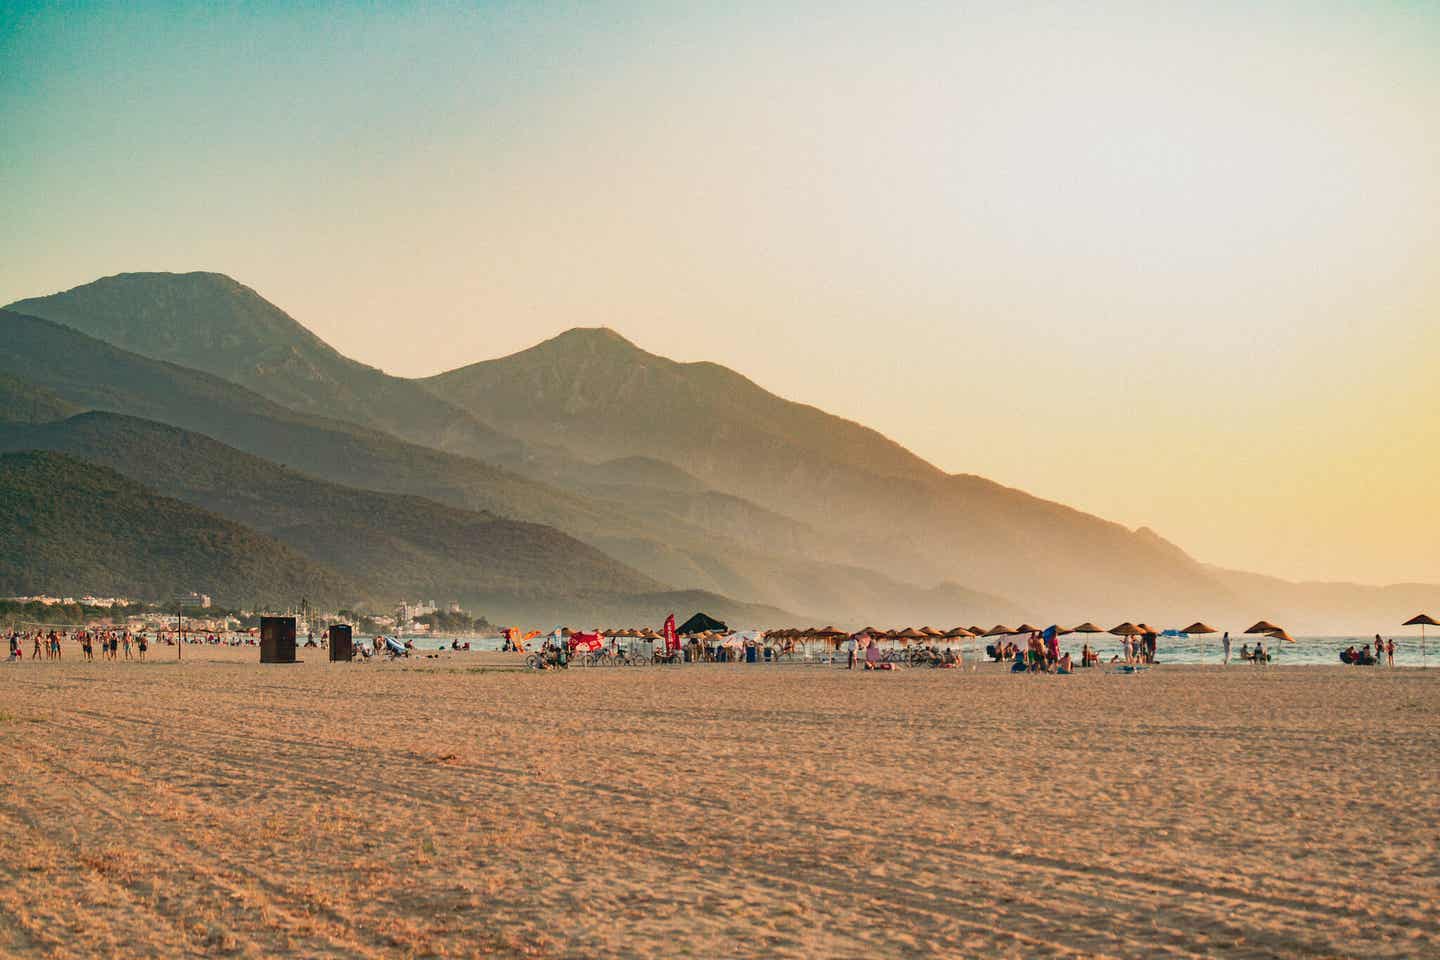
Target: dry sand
(218, 807)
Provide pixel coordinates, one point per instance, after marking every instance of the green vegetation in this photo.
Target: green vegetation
(394, 545)
(23, 402)
(63, 614)
(72, 527)
(446, 623)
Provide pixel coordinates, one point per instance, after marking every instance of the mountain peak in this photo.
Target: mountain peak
(589, 338)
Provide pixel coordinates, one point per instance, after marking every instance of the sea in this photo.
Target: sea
(1187, 649)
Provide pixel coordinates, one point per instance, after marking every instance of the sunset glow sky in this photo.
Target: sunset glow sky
(1177, 268)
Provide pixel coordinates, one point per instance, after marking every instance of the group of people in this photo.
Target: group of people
(1042, 654)
(1363, 657)
(48, 644)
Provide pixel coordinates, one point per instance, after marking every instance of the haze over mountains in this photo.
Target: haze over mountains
(617, 473)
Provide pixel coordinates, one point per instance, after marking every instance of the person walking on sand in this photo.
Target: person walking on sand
(1225, 646)
(850, 654)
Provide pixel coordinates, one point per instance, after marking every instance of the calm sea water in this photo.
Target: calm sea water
(1305, 650)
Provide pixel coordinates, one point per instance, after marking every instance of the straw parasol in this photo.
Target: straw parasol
(1422, 620)
(1201, 628)
(1088, 627)
(932, 632)
(978, 631)
(909, 634)
(1027, 628)
(999, 630)
(1264, 626)
(960, 633)
(1280, 635)
(1126, 629)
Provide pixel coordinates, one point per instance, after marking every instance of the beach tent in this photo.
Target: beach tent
(1422, 620)
(702, 622)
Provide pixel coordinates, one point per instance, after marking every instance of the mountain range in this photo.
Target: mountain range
(622, 474)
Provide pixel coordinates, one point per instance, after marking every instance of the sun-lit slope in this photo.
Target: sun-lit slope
(689, 539)
(209, 322)
(595, 394)
(99, 376)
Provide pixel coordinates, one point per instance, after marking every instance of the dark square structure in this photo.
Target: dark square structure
(342, 646)
(277, 639)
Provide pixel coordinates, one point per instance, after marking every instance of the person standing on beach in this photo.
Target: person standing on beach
(1390, 652)
(850, 654)
(1225, 646)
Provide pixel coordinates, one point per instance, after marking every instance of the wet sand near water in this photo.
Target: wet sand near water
(440, 807)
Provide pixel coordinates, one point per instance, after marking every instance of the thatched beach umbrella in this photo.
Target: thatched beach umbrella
(999, 630)
(1088, 627)
(1422, 620)
(1280, 635)
(978, 631)
(1264, 626)
(910, 634)
(1027, 628)
(1126, 629)
(1201, 628)
(959, 633)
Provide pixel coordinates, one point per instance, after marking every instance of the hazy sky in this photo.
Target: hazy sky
(1177, 264)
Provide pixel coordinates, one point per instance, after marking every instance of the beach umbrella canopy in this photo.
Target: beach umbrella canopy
(978, 631)
(1422, 620)
(999, 630)
(1027, 628)
(1088, 627)
(1264, 626)
(1200, 626)
(1126, 629)
(910, 633)
(1280, 635)
(958, 633)
(1061, 631)
(1146, 628)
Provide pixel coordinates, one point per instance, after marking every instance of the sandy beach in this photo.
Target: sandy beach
(448, 807)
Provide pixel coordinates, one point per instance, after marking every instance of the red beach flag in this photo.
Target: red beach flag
(672, 642)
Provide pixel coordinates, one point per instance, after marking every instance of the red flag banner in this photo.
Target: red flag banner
(672, 642)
